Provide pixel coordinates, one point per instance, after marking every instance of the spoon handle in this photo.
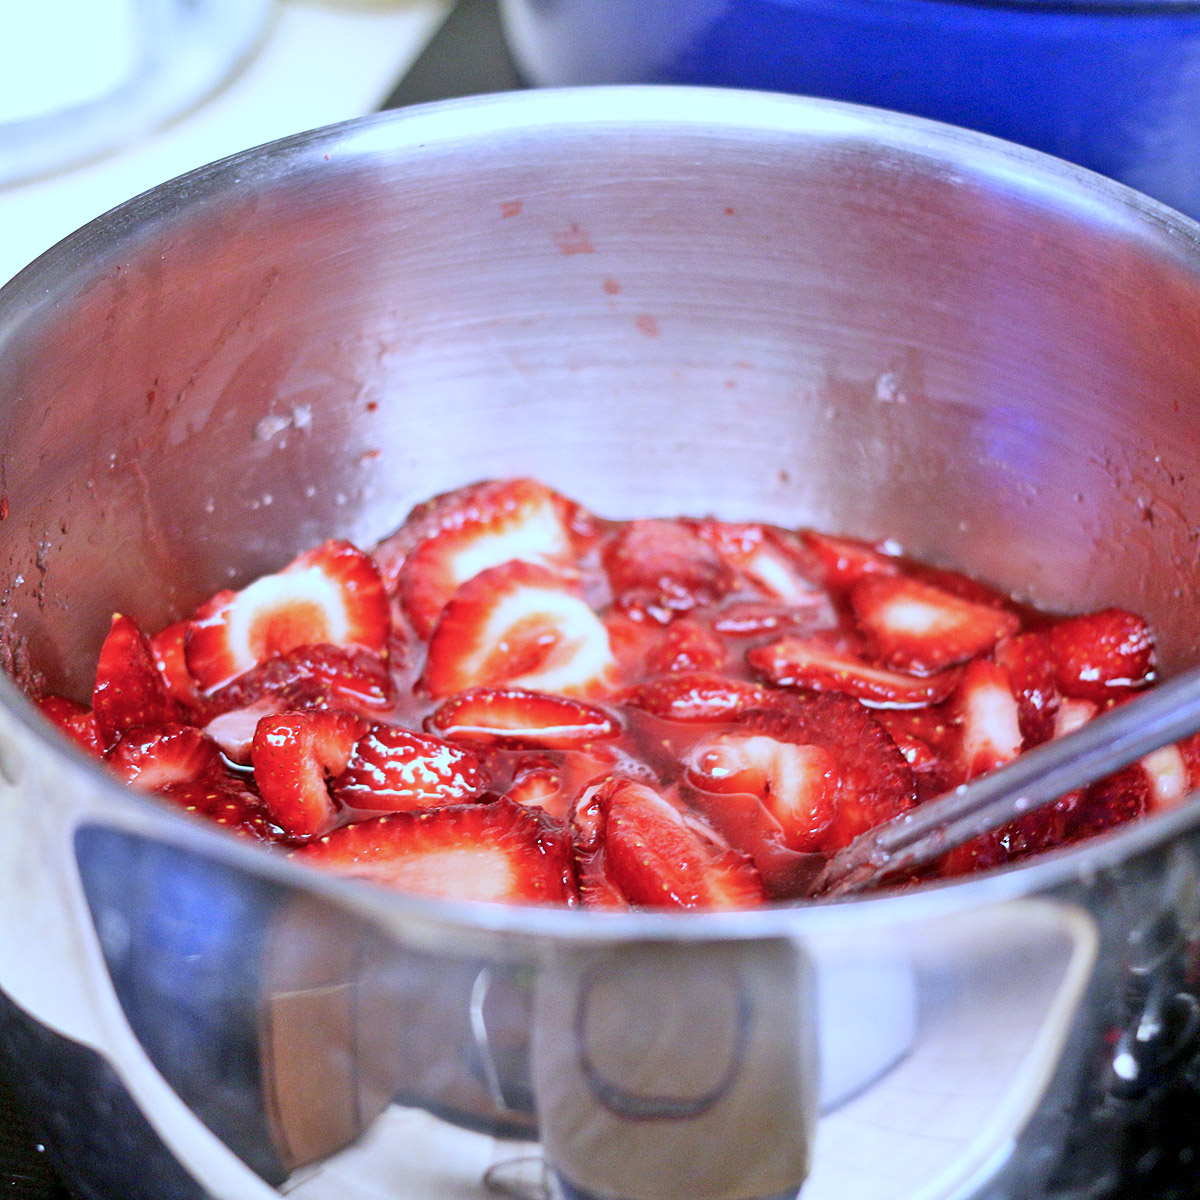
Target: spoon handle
(1112, 740)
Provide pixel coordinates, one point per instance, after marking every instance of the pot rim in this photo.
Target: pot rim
(725, 112)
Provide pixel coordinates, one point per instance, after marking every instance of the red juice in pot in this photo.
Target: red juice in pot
(513, 699)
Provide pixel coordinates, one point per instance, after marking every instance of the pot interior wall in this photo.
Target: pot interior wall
(971, 353)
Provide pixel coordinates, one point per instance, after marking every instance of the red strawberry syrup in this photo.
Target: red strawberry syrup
(730, 704)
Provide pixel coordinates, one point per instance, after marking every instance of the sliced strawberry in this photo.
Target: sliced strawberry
(295, 755)
(554, 782)
(1030, 667)
(686, 645)
(771, 563)
(1102, 654)
(1072, 715)
(869, 783)
(455, 536)
(958, 584)
(307, 677)
(519, 625)
(991, 727)
(474, 504)
(129, 689)
(1120, 797)
(75, 720)
(596, 890)
(392, 769)
(1190, 749)
(227, 802)
(180, 764)
(921, 628)
(916, 753)
(641, 646)
(1167, 775)
(658, 860)
(520, 719)
(844, 561)
(1033, 833)
(332, 595)
(587, 818)
(541, 787)
(747, 618)
(664, 568)
(698, 697)
(746, 824)
(928, 739)
(167, 646)
(498, 851)
(796, 783)
(819, 665)
(935, 727)
(154, 757)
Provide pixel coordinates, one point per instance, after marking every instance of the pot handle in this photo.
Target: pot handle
(668, 1071)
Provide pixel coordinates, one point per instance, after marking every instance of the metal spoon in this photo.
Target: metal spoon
(920, 837)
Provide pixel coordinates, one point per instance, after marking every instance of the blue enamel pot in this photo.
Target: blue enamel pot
(1112, 86)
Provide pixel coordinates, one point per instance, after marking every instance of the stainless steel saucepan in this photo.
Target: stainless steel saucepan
(658, 301)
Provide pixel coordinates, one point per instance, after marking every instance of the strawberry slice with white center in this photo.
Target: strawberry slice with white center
(455, 536)
(540, 787)
(523, 626)
(918, 627)
(796, 783)
(772, 562)
(332, 595)
(155, 757)
(658, 859)
(1167, 773)
(819, 665)
(129, 690)
(991, 728)
(697, 696)
(519, 719)
(748, 825)
(823, 767)
(1072, 715)
(393, 769)
(492, 852)
(294, 756)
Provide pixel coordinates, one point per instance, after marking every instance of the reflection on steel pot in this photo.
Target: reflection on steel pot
(1109, 84)
(860, 322)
